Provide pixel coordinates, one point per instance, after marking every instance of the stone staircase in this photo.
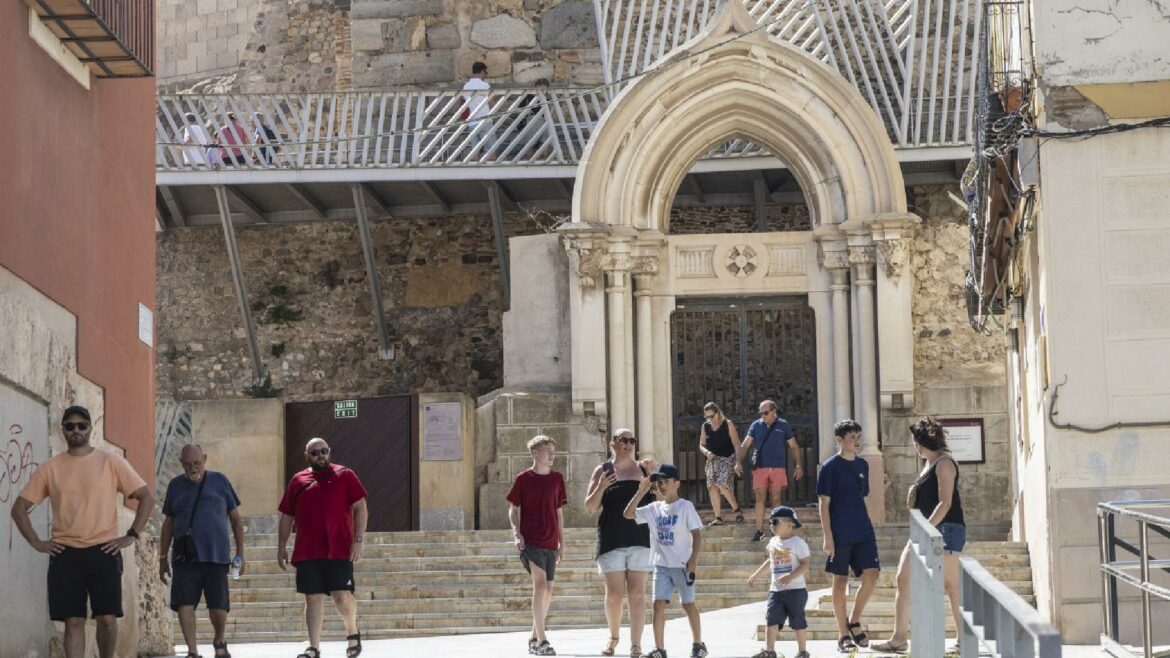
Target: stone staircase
(451, 582)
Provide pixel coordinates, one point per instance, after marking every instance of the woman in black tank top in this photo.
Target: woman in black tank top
(623, 545)
(719, 443)
(936, 495)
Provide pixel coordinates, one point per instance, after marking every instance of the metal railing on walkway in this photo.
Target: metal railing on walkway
(927, 602)
(1114, 570)
(999, 619)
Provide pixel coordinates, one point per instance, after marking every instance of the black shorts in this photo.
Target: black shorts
(545, 559)
(787, 605)
(324, 576)
(858, 557)
(77, 574)
(192, 581)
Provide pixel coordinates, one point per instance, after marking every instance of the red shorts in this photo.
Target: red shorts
(769, 478)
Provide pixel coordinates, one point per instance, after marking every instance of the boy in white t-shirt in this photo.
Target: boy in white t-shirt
(675, 543)
(788, 556)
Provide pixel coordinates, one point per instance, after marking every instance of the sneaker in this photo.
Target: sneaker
(657, 653)
(758, 536)
(801, 654)
(768, 654)
(698, 650)
(544, 649)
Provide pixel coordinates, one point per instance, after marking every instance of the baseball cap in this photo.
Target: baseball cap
(785, 512)
(78, 411)
(665, 472)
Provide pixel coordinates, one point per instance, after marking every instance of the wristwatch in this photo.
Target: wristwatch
(132, 533)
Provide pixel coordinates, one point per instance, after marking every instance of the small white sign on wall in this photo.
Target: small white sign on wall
(145, 325)
(442, 436)
(965, 439)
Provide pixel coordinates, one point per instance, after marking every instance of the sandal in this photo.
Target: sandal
(717, 521)
(611, 647)
(635, 651)
(223, 646)
(544, 649)
(845, 644)
(859, 638)
(192, 654)
(305, 654)
(890, 647)
(738, 515)
(355, 650)
(532, 644)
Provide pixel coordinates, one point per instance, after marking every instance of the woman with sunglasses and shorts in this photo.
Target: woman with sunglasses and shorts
(623, 546)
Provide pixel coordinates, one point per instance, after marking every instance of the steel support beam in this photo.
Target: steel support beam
(385, 349)
(372, 200)
(760, 190)
(246, 205)
(308, 200)
(494, 194)
(502, 195)
(229, 235)
(564, 189)
(696, 188)
(434, 194)
(177, 214)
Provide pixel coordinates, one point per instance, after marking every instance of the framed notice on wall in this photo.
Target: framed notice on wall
(442, 438)
(965, 439)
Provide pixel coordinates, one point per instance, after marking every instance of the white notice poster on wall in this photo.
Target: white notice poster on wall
(442, 438)
(965, 439)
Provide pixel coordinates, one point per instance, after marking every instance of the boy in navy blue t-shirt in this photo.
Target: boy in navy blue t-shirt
(850, 543)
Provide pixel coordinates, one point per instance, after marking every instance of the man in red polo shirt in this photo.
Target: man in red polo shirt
(328, 504)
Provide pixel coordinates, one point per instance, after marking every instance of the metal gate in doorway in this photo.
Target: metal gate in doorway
(736, 353)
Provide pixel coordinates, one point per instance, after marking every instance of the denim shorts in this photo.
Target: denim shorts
(626, 558)
(954, 536)
(666, 579)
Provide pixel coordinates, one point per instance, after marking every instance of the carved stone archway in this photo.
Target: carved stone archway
(733, 81)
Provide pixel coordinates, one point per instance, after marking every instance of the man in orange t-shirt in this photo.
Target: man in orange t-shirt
(85, 551)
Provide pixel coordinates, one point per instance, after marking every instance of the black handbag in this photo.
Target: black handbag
(183, 547)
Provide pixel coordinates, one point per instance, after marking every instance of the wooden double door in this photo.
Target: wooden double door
(737, 353)
(377, 438)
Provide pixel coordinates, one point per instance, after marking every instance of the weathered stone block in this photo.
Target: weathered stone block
(503, 31)
(529, 72)
(499, 63)
(366, 34)
(538, 409)
(396, 8)
(514, 440)
(569, 25)
(444, 36)
(587, 74)
(404, 69)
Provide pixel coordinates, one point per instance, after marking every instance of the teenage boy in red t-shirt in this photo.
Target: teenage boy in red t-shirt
(536, 499)
(328, 503)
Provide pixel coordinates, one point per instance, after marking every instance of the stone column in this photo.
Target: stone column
(862, 257)
(617, 294)
(892, 236)
(835, 258)
(643, 276)
(586, 248)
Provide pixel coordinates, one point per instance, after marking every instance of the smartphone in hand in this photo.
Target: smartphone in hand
(691, 578)
(607, 468)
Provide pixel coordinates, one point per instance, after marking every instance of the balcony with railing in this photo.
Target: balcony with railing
(114, 38)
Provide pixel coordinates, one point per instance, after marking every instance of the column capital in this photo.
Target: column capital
(893, 234)
(585, 245)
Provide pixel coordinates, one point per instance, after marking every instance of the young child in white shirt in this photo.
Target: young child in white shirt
(788, 557)
(675, 544)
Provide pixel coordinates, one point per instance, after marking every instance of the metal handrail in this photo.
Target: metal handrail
(1114, 570)
(926, 588)
(999, 619)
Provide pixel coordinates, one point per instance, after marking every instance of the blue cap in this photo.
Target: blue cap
(784, 512)
(665, 472)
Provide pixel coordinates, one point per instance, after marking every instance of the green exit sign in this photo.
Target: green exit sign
(345, 409)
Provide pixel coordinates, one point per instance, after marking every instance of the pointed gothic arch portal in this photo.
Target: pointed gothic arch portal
(733, 81)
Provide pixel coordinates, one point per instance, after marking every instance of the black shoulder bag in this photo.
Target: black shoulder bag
(756, 457)
(183, 547)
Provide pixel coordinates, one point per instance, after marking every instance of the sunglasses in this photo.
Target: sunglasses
(767, 411)
(627, 439)
(317, 452)
(188, 464)
(709, 416)
(778, 520)
(69, 427)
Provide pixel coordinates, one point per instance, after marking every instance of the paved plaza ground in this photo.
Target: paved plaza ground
(728, 634)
